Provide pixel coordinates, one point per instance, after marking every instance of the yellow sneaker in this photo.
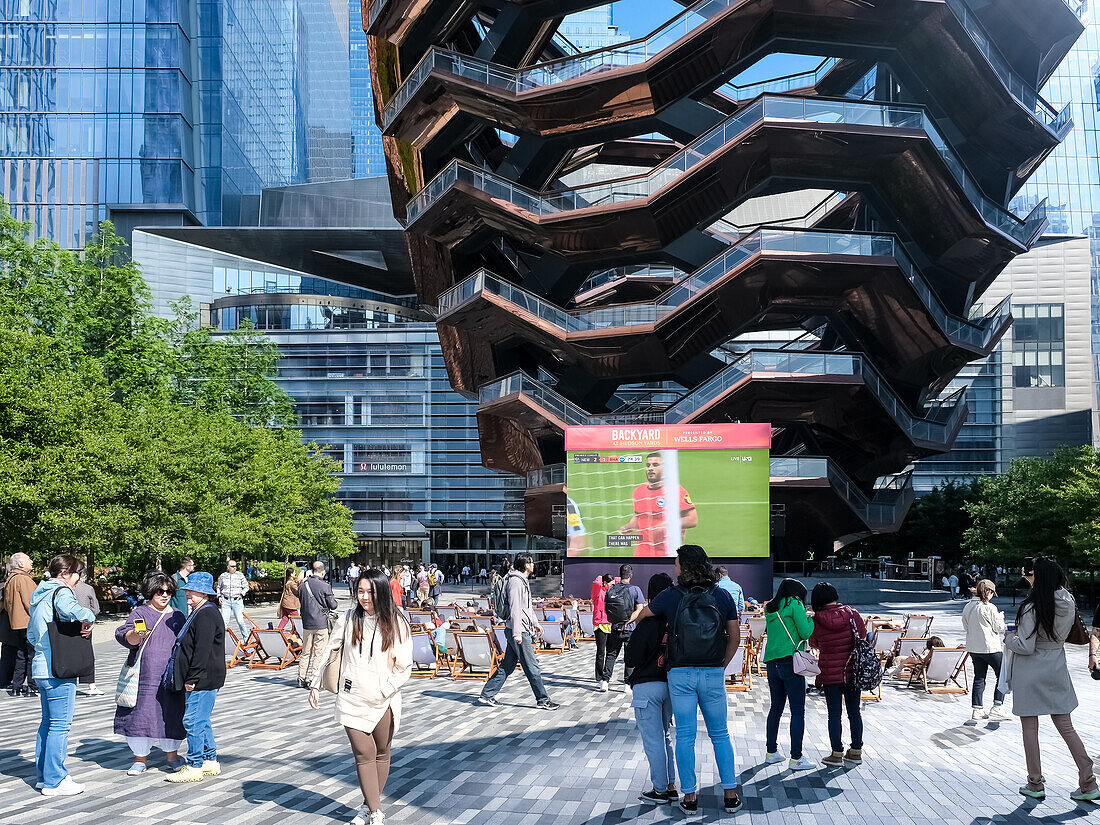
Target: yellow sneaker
(210, 768)
(187, 773)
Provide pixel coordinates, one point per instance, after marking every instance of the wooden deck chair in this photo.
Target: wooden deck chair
(451, 649)
(553, 638)
(476, 653)
(917, 626)
(482, 603)
(447, 613)
(500, 635)
(420, 616)
(484, 623)
(236, 651)
(756, 626)
(587, 627)
(540, 613)
(572, 612)
(941, 674)
(886, 642)
(250, 620)
(424, 658)
(273, 650)
(739, 671)
(758, 656)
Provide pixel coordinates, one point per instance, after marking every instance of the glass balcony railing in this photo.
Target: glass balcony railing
(546, 476)
(663, 272)
(976, 335)
(644, 49)
(939, 420)
(780, 85)
(1023, 230)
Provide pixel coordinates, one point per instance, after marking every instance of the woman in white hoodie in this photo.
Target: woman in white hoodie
(374, 643)
(985, 626)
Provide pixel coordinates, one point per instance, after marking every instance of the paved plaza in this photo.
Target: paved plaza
(457, 762)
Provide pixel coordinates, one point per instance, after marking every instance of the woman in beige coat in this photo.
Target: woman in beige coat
(374, 643)
(1039, 679)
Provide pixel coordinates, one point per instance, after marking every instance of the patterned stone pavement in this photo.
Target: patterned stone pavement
(456, 762)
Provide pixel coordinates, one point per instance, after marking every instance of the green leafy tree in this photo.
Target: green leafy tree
(1035, 507)
(934, 526)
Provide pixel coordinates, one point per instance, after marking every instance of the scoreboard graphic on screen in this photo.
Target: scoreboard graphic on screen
(643, 491)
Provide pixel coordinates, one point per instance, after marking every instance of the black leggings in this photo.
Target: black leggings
(601, 653)
(372, 759)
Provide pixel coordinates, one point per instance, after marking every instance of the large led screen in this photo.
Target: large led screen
(643, 491)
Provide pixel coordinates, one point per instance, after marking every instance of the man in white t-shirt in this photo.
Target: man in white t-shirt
(465, 573)
(351, 578)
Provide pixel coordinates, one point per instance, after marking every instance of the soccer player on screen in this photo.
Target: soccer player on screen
(649, 513)
(574, 529)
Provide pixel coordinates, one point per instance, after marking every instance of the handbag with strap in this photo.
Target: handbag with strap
(126, 690)
(71, 653)
(803, 661)
(1078, 634)
(329, 676)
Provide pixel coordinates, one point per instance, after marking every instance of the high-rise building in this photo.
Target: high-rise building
(176, 112)
(361, 361)
(562, 304)
(1069, 179)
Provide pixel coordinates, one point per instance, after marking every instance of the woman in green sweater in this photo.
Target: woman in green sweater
(788, 627)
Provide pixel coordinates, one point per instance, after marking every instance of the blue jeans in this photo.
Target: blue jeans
(705, 688)
(785, 686)
(196, 721)
(235, 608)
(58, 697)
(653, 713)
(982, 663)
(524, 655)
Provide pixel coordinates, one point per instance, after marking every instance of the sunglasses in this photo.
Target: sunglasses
(163, 591)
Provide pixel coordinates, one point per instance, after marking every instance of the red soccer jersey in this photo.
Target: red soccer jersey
(649, 507)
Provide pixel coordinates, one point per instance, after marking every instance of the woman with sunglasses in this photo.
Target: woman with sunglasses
(156, 720)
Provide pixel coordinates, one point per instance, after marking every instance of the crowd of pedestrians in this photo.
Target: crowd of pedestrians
(677, 640)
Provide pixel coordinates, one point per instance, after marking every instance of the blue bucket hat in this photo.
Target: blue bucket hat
(200, 583)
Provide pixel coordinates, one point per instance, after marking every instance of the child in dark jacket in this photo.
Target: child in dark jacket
(645, 653)
(836, 627)
(199, 668)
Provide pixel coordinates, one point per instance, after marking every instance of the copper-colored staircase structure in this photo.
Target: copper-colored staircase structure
(570, 221)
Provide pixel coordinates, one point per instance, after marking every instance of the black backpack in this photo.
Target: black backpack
(618, 603)
(697, 635)
(864, 670)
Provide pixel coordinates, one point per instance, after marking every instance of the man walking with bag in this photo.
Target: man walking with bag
(520, 621)
(317, 601)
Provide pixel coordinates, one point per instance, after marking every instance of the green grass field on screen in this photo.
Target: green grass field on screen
(729, 489)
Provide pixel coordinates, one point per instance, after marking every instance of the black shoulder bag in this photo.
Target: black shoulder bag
(70, 653)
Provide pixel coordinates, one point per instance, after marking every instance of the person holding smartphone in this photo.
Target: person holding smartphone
(156, 720)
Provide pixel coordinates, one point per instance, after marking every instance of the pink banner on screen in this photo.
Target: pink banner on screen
(660, 437)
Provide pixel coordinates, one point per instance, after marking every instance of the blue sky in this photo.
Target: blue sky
(639, 17)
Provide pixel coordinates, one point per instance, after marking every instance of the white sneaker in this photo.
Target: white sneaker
(999, 714)
(602, 687)
(362, 816)
(977, 714)
(772, 758)
(93, 691)
(68, 787)
(802, 764)
(377, 818)
(137, 769)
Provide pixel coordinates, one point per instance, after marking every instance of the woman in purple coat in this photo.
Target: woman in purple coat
(157, 718)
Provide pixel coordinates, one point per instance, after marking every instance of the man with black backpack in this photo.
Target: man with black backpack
(620, 601)
(521, 625)
(703, 637)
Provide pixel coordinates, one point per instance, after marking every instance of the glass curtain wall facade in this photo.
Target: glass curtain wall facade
(1070, 177)
(189, 106)
(366, 372)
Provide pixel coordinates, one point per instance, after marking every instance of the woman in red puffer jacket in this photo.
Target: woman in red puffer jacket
(834, 636)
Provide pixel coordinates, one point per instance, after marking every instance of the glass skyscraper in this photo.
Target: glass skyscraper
(1070, 177)
(176, 112)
